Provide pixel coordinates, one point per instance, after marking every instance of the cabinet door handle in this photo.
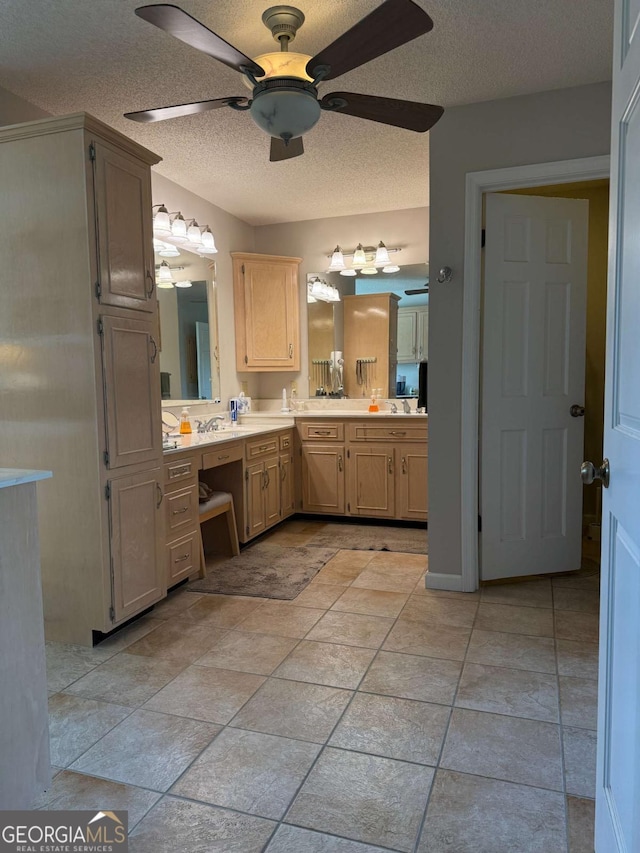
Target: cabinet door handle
(181, 559)
(155, 350)
(152, 285)
(404, 465)
(268, 476)
(397, 432)
(160, 495)
(179, 511)
(340, 463)
(290, 350)
(321, 432)
(390, 464)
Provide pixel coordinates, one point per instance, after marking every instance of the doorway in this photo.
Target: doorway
(478, 183)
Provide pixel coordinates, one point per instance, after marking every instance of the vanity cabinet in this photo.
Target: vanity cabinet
(267, 312)
(413, 334)
(372, 480)
(268, 483)
(181, 517)
(80, 371)
(323, 455)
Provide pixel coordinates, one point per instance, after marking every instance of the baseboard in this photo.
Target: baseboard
(453, 583)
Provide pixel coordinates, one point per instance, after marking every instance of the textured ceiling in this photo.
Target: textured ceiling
(96, 55)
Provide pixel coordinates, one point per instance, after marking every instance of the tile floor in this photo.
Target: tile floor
(368, 714)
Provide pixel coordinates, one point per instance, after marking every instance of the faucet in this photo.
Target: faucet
(406, 408)
(394, 408)
(211, 424)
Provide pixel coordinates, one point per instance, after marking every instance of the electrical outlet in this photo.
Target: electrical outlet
(294, 387)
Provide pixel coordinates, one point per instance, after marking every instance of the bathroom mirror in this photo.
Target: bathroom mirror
(325, 321)
(189, 361)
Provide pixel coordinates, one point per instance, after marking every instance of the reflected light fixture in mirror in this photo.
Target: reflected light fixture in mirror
(368, 259)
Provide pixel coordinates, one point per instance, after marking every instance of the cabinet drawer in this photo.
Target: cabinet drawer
(401, 432)
(263, 447)
(222, 455)
(182, 558)
(181, 510)
(180, 469)
(286, 441)
(322, 431)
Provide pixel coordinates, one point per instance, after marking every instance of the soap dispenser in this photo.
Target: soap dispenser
(185, 424)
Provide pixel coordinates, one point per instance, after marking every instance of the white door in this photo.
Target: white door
(535, 287)
(618, 769)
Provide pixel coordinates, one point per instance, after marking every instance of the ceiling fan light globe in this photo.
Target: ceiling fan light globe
(284, 113)
(281, 64)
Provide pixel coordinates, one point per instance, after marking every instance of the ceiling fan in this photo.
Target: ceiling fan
(284, 101)
(417, 291)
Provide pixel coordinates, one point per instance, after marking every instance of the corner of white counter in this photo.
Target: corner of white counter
(18, 476)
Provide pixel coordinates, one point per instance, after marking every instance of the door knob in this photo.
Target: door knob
(576, 411)
(590, 473)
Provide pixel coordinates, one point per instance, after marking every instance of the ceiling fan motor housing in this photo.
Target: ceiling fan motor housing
(283, 21)
(285, 107)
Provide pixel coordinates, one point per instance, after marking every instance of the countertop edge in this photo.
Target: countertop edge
(19, 476)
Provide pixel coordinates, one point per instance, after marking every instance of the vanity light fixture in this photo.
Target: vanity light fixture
(349, 271)
(171, 228)
(368, 271)
(164, 276)
(368, 260)
(391, 268)
(382, 255)
(319, 290)
(359, 257)
(184, 283)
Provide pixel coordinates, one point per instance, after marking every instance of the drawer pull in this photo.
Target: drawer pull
(178, 472)
(180, 511)
(398, 432)
(265, 447)
(226, 456)
(321, 432)
(181, 559)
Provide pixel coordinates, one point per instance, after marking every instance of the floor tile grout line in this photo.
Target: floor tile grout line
(446, 732)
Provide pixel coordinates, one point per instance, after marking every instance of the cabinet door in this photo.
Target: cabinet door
(270, 318)
(122, 190)
(423, 333)
(272, 507)
(287, 485)
(254, 481)
(137, 542)
(372, 480)
(412, 484)
(132, 391)
(323, 479)
(407, 330)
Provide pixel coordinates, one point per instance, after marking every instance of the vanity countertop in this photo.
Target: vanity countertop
(18, 476)
(360, 414)
(224, 435)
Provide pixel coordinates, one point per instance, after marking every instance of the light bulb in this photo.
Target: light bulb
(382, 255)
(359, 258)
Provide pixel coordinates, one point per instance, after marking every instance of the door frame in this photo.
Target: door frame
(476, 184)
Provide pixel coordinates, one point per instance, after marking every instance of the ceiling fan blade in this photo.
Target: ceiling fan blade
(162, 113)
(408, 114)
(392, 24)
(280, 151)
(181, 25)
(417, 291)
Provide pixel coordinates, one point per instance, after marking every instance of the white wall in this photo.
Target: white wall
(315, 239)
(544, 127)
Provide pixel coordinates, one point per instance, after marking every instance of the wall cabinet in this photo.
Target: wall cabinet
(81, 376)
(267, 313)
(413, 334)
(370, 332)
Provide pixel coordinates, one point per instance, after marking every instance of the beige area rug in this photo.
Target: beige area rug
(266, 571)
(370, 537)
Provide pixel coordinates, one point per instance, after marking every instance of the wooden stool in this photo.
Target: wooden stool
(220, 503)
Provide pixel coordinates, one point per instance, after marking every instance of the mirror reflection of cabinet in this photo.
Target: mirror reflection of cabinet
(189, 366)
(370, 344)
(413, 334)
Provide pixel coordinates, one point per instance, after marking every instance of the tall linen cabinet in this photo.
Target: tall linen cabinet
(79, 372)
